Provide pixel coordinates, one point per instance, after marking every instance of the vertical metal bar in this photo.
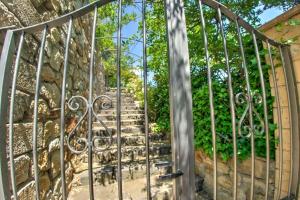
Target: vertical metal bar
(11, 118)
(180, 94)
(145, 100)
(119, 142)
(250, 105)
(279, 125)
(293, 100)
(36, 117)
(90, 112)
(264, 98)
(36, 113)
(232, 106)
(62, 114)
(281, 145)
(5, 68)
(211, 101)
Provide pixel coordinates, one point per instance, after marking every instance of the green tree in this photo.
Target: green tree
(107, 46)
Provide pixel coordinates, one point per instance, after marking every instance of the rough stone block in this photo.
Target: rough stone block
(52, 93)
(52, 131)
(7, 18)
(22, 169)
(57, 190)
(260, 167)
(21, 105)
(26, 77)
(30, 49)
(225, 181)
(55, 163)
(45, 184)
(54, 145)
(49, 75)
(56, 58)
(28, 191)
(44, 163)
(43, 108)
(23, 137)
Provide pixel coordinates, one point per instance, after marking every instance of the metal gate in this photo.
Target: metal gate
(180, 100)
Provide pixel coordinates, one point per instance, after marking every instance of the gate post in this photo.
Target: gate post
(294, 121)
(181, 114)
(5, 71)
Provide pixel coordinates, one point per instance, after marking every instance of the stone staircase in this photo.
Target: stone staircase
(132, 132)
(133, 147)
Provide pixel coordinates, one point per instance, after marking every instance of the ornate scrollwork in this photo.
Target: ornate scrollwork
(101, 143)
(77, 144)
(245, 130)
(80, 143)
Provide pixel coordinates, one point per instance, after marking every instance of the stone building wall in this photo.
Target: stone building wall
(204, 168)
(285, 28)
(28, 12)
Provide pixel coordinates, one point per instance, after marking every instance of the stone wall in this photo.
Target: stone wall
(283, 29)
(204, 168)
(29, 12)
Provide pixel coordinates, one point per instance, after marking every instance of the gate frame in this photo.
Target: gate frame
(295, 125)
(181, 113)
(5, 75)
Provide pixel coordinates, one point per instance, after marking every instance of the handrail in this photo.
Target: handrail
(64, 18)
(5, 28)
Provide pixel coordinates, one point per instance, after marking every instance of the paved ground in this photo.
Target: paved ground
(132, 190)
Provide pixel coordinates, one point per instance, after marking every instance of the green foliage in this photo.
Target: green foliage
(158, 66)
(135, 86)
(107, 47)
(285, 5)
(223, 123)
(159, 89)
(284, 28)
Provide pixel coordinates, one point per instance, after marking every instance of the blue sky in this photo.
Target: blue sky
(270, 14)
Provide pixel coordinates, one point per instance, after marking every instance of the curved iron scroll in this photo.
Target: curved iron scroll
(80, 144)
(245, 130)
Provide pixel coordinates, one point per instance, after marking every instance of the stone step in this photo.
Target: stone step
(123, 117)
(114, 94)
(130, 156)
(106, 174)
(130, 153)
(124, 107)
(131, 131)
(98, 129)
(115, 89)
(131, 122)
(125, 104)
(124, 101)
(123, 98)
(131, 139)
(123, 112)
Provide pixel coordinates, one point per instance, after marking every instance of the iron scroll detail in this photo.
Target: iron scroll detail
(245, 130)
(79, 144)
